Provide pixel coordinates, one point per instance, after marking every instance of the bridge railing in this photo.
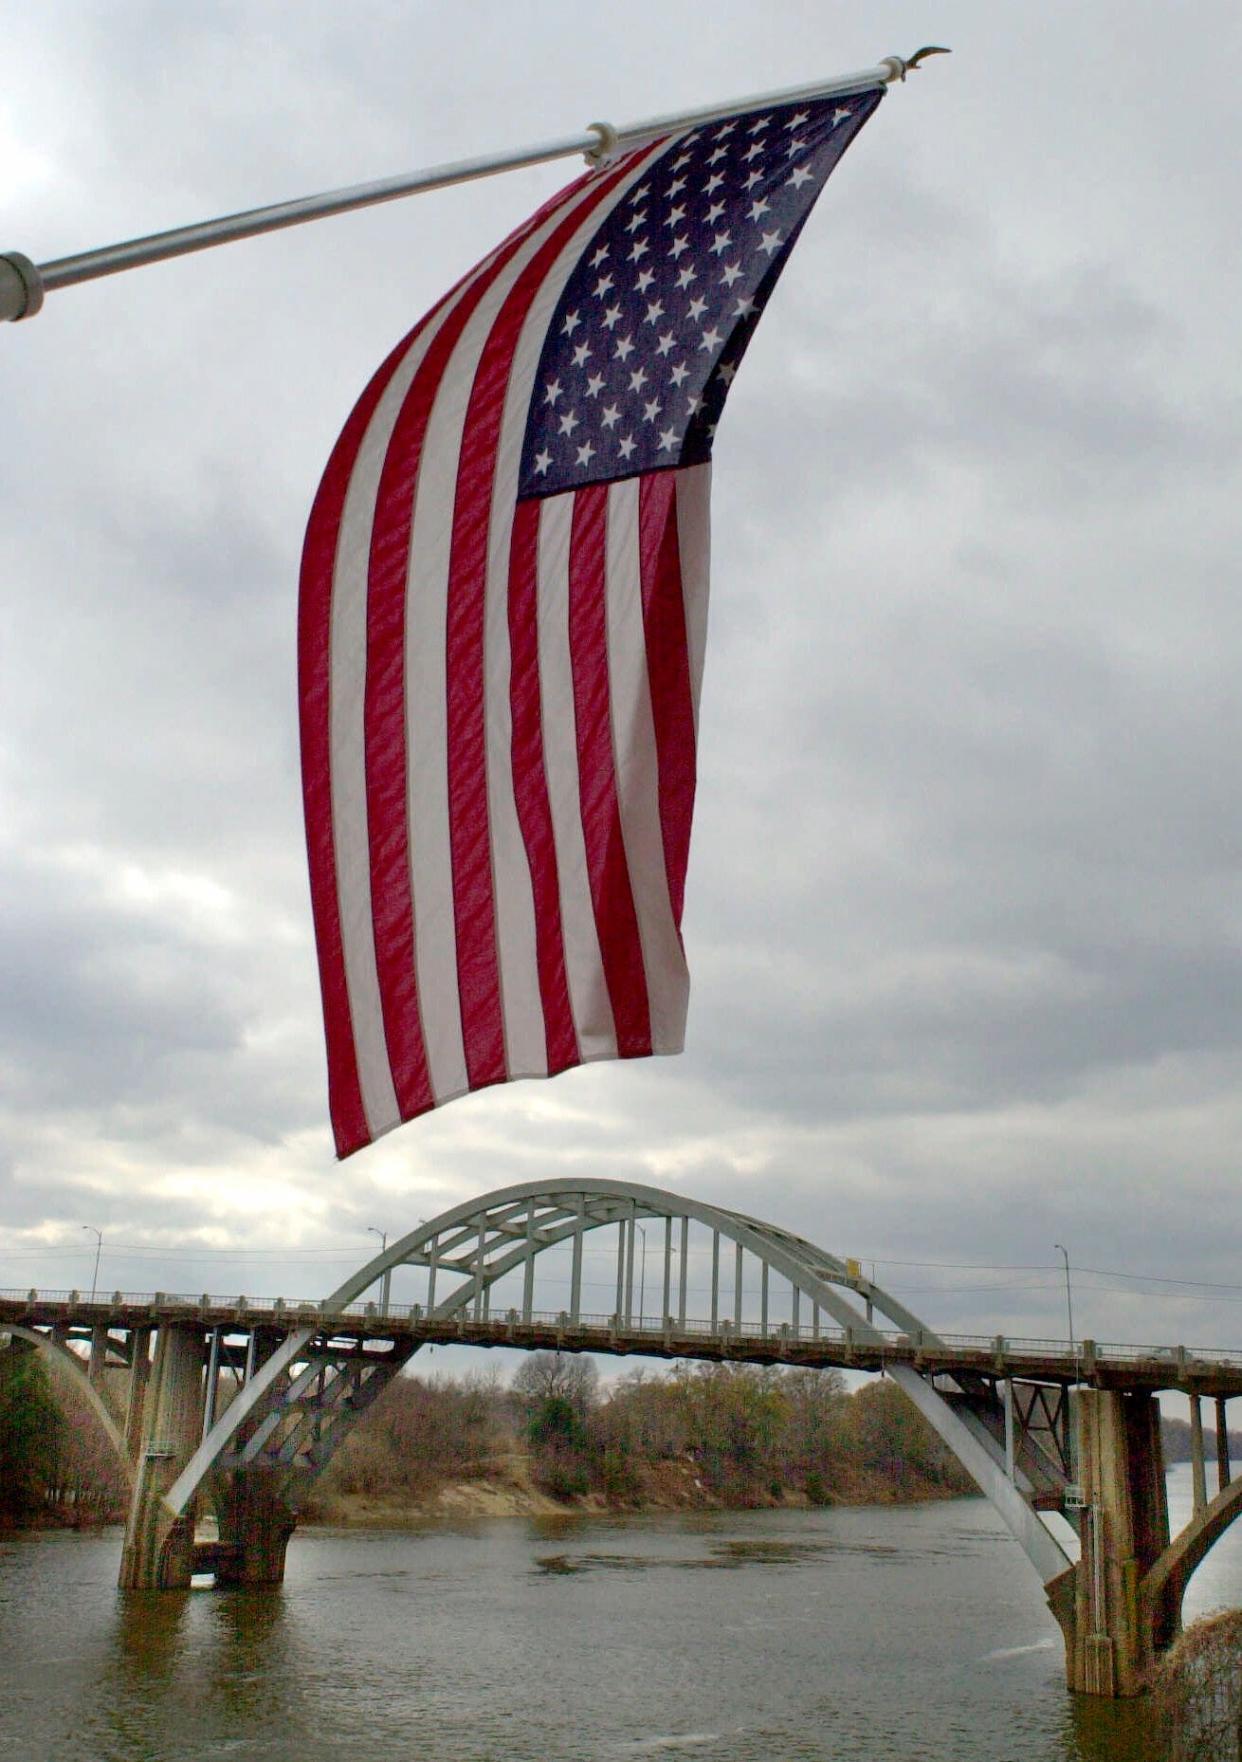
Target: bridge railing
(806, 1333)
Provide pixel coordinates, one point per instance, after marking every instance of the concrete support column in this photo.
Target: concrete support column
(255, 1523)
(1222, 1445)
(98, 1359)
(1110, 1638)
(139, 1376)
(1198, 1471)
(159, 1550)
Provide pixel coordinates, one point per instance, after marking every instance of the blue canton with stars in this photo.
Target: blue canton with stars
(658, 312)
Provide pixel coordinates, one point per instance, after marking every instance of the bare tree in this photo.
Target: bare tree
(558, 1376)
(1198, 1689)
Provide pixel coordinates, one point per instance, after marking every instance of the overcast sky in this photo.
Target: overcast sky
(963, 913)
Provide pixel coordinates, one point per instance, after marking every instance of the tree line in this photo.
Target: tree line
(718, 1433)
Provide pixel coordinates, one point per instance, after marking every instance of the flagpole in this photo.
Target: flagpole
(23, 284)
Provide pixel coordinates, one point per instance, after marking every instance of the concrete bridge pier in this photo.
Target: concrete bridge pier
(159, 1549)
(1112, 1633)
(255, 1524)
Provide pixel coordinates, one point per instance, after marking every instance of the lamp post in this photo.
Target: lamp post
(98, 1235)
(386, 1281)
(1069, 1300)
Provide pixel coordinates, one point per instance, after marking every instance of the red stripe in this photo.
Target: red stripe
(615, 918)
(351, 1128)
(668, 672)
(478, 962)
(387, 758)
(531, 789)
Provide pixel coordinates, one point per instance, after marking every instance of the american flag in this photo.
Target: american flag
(502, 622)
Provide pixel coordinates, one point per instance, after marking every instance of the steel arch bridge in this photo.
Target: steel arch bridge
(524, 1266)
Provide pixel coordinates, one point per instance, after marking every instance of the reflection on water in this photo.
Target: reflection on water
(873, 1635)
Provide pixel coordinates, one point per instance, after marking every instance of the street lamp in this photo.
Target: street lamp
(1069, 1299)
(98, 1235)
(386, 1281)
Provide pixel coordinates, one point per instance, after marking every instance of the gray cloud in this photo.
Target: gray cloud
(962, 912)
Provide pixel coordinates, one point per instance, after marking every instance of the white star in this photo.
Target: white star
(759, 206)
(568, 422)
(754, 151)
(713, 183)
(679, 374)
(677, 247)
(636, 221)
(727, 371)
(795, 147)
(626, 446)
(542, 462)
(799, 176)
(610, 415)
(582, 354)
(572, 321)
(714, 213)
(732, 273)
(771, 241)
(676, 187)
(668, 439)
(676, 215)
(640, 250)
(798, 120)
(638, 379)
(599, 257)
(645, 279)
(552, 391)
(641, 191)
(744, 308)
(694, 406)
(712, 340)
(602, 286)
(655, 312)
(757, 127)
(840, 116)
(721, 242)
(688, 274)
(624, 347)
(725, 130)
(665, 344)
(717, 155)
(755, 177)
(595, 385)
(680, 164)
(586, 453)
(651, 410)
(696, 310)
(610, 317)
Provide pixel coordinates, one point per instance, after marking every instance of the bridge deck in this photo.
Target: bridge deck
(1202, 1371)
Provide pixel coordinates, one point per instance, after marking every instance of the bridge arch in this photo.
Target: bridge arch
(1164, 1585)
(79, 1381)
(475, 1246)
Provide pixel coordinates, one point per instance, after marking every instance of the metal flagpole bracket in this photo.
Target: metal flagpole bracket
(607, 143)
(21, 287)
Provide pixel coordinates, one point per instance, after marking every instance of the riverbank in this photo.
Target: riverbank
(509, 1486)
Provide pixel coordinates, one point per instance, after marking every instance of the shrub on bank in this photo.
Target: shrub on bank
(1198, 1691)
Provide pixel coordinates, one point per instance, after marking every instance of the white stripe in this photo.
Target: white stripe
(694, 490)
(348, 665)
(637, 770)
(584, 967)
(525, 1035)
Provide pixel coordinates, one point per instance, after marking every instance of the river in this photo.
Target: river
(870, 1634)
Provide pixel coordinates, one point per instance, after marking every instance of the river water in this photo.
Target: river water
(874, 1634)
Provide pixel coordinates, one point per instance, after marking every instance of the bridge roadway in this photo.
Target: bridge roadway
(1204, 1371)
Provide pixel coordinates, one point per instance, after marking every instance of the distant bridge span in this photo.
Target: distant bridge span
(300, 1375)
